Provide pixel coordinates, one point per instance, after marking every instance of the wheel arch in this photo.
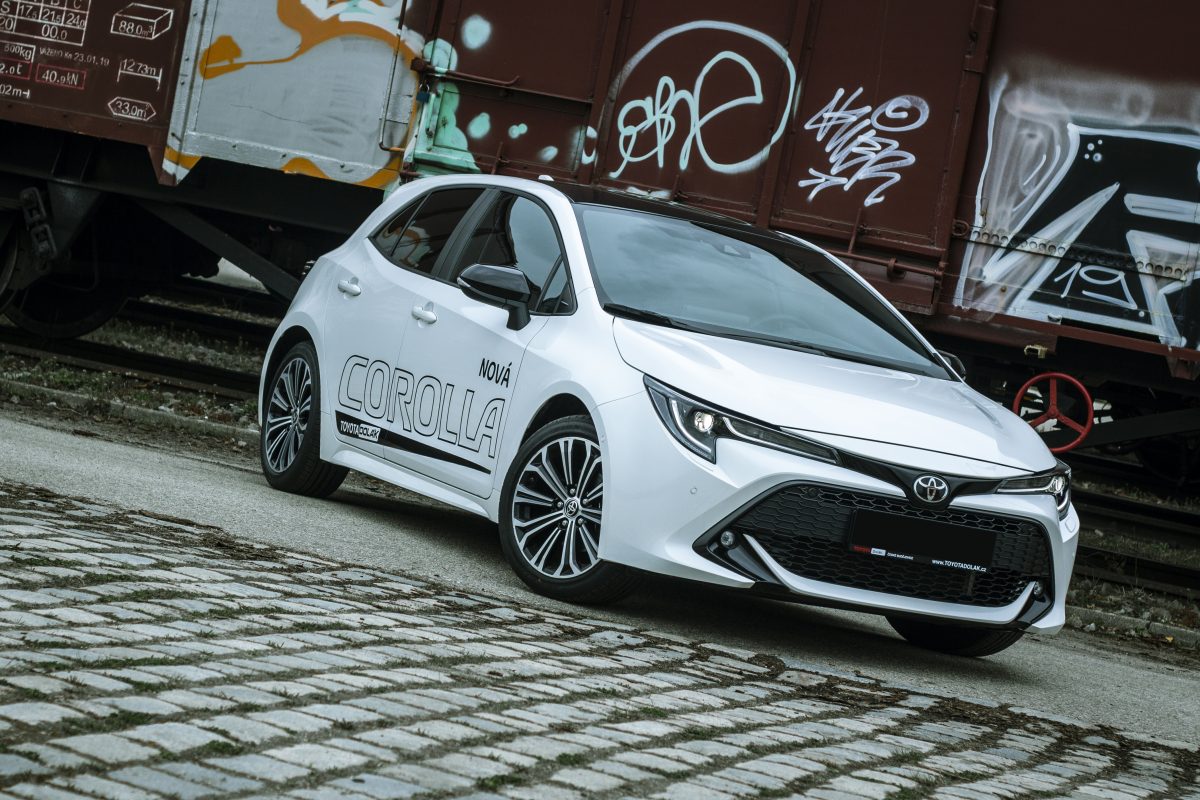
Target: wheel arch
(563, 404)
(285, 341)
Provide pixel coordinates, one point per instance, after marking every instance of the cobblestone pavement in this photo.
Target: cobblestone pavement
(145, 657)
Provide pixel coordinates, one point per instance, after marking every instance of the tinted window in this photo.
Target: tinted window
(386, 237)
(738, 283)
(423, 239)
(514, 232)
(556, 296)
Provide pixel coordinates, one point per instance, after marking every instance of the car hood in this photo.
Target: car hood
(813, 393)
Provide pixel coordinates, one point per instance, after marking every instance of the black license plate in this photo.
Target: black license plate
(891, 536)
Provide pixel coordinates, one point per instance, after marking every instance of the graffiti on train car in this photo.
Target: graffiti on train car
(646, 126)
(329, 89)
(857, 151)
(1089, 208)
(319, 100)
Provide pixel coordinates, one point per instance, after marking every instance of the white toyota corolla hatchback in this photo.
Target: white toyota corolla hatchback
(628, 385)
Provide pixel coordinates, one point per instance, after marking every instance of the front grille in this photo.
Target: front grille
(805, 528)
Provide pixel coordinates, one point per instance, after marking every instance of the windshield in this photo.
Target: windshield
(739, 284)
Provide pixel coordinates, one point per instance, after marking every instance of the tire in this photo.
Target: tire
(290, 449)
(559, 558)
(955, 640)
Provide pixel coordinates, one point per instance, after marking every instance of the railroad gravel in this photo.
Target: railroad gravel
(150, 657)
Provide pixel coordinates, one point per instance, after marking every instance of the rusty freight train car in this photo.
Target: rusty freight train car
(1020, 177)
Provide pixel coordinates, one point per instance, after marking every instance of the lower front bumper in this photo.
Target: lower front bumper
(673, 503)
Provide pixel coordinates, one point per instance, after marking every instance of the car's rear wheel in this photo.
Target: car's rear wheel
(290, 444)
(954, 639)
(550, 516)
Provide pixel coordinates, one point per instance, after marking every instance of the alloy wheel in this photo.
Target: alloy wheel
(287, 414)
(557, 506)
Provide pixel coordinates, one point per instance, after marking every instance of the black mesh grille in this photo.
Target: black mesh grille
(805, 529)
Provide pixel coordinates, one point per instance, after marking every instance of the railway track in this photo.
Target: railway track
(209, 324)
(1141, 519)
(209, 293)
(97, 357)
(1150, 522)
(1143, 573)
(1147, 521)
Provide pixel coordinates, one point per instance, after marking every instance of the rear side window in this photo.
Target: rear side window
(385, 238)
(517, 232)
(426, 232)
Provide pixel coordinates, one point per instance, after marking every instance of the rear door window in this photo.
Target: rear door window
(386, 237)
(426, 233)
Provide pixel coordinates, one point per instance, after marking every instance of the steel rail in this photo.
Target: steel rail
(178, 373)
(1141, 519)
(207, 324)
(192, 290)
(1127, 570)
(1091, 465)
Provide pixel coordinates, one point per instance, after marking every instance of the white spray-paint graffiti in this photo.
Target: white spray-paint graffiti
(858, 150)
(647, 126)
(1095, 224)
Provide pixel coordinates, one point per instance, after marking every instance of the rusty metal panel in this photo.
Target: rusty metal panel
(511, 90)
(1085, 206)
(543, 47)
(701, 98)
(845, 119)
(877, 123)
(102, 67)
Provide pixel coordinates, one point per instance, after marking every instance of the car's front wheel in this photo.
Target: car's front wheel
(954, 639)
(550, 516)
(290, 444)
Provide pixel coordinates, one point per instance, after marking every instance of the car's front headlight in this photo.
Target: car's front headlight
(697, 426)
(1056, 483)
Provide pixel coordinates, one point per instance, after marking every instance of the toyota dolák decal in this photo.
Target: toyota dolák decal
(937, 562)
(423, 406)
(359, 430)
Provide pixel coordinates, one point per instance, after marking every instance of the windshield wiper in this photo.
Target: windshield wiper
(790, 344)
(840, 355)
(642, 315)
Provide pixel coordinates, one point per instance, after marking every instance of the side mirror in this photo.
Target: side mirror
(499, 286)
(956, 364)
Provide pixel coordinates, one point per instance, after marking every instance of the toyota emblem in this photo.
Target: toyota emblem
(931, 489)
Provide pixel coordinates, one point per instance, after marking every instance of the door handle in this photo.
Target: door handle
(349, 287)
(424, 315)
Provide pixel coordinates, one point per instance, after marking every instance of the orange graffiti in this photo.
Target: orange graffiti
(221, 57)
(380, 180)
(182, 159)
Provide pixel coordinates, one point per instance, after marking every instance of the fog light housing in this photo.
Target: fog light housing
(728, 539)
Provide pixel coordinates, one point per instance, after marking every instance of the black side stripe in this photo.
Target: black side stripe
(397, 441)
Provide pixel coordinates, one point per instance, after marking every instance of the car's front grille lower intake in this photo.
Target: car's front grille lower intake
(805, 528)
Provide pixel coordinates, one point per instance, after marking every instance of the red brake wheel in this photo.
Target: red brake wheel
(1057, 384)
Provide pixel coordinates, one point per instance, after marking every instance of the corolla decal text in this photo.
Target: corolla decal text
(426, 405)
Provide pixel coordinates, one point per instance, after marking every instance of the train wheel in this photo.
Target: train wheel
(8, 257)
(58, 305)
(53, 308)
